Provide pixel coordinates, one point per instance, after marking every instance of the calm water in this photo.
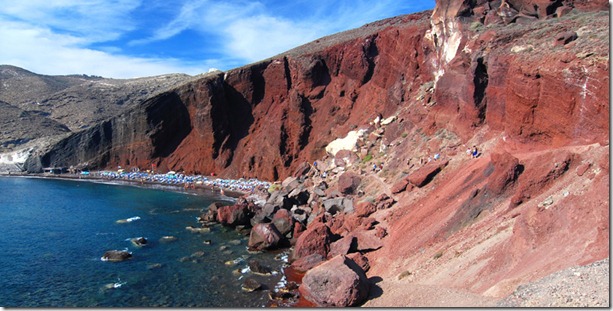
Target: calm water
(55, 231)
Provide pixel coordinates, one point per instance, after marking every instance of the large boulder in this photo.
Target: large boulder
(264, 236)
(365, 208)
(425, 174)
(233, 215)
(367, 240)
(116, 255)
(315, 240)
(283, 221)
(339, 282)
(348, 182)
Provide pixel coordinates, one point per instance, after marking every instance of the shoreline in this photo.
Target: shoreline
(196, 189)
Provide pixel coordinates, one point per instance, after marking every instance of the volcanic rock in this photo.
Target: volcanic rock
(315, 240)
(339, 282)
(424, 175)
(264, 236)
(348, 182)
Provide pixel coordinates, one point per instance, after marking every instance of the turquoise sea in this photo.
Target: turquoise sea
(54, 233)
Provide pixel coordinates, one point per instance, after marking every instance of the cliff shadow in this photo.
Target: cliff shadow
(168, 123)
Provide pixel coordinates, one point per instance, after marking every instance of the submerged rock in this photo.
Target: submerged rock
(168, 238)
(251, 285)
(116, 255)
(140, 241)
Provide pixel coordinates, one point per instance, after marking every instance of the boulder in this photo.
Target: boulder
(233, 215)
(140, 241)
(315, 240)
(342, 246)
(365, 209)
(116, 255)
(283, 221)
(250, 285)
(336, 205)
(425, 174)
(367, 240)
(257, 268)
(564, 38)
(264, 236)
(307, 263)
(348, 182)
(400, 186)
(360, 260)
(339, 282)
(383, 201)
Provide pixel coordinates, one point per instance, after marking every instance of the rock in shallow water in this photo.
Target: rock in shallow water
(116, 255)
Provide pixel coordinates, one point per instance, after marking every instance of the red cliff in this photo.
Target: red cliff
(525, 81)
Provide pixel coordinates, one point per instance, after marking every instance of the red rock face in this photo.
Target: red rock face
(490, 73)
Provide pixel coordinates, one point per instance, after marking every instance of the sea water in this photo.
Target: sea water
(54, 233)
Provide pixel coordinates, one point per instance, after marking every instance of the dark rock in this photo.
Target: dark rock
(264, 236)
(565, 38)
(339, 282)
(257, 268)
(336, 205)
(116, 255)
(140, 241)
(250, 285)
(348, 182)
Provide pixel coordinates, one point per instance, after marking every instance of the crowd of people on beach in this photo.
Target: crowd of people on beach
(189, 181)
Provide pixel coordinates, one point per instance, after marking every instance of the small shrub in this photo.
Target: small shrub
(438, 255)
(405, 134)
(475, 26)
(367, 158)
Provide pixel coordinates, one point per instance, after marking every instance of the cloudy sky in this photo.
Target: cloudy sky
(135, 38)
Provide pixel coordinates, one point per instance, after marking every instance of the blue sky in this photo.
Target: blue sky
(136, 38)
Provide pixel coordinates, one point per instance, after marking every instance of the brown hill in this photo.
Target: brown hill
(527, 82)
(74, 101)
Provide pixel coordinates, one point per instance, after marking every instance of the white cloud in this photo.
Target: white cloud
(100, 37)
(42, 51)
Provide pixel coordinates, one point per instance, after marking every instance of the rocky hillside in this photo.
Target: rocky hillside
(526, 82)
(72, 102)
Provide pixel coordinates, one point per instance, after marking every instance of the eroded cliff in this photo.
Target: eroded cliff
(525, 81)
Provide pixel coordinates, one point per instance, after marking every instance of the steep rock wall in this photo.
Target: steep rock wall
(264, 119)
